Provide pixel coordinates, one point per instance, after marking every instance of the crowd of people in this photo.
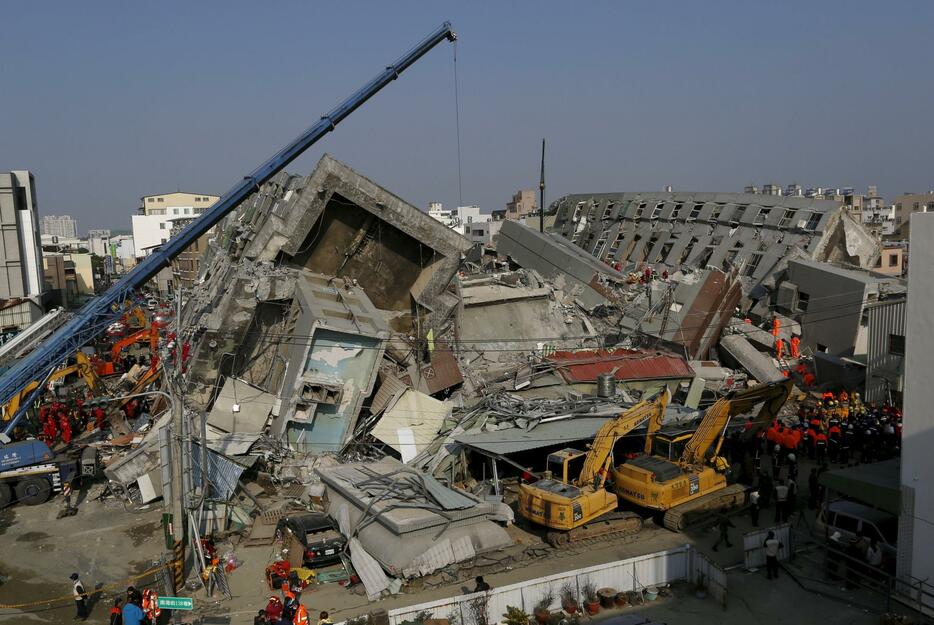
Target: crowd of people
(837, 429)
(288, 609)
(61, 420)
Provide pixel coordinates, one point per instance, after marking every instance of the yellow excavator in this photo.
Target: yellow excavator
(696, 485)
(580, 507)
(82, 367)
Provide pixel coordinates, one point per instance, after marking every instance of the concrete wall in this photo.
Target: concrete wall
(918, 427)
(834, 308)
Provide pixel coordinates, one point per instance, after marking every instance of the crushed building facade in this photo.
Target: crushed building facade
(302, 289)
(751, 232)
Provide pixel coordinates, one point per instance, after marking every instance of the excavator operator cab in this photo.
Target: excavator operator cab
(566, 464)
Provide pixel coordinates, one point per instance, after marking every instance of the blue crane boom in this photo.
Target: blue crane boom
(96, 315)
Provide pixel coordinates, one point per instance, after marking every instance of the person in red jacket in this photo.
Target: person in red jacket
(100, 418)
(274, 609)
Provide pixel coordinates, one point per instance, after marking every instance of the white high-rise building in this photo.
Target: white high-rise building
(22, 276)
(99, 242)
(60, 226)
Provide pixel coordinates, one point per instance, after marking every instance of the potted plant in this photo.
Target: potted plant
(515, 616)
(569, 599)
(542, 609)
(591, 599)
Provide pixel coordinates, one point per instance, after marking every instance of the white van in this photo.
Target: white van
(850, 518)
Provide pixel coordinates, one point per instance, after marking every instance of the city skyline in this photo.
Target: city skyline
(630, 98)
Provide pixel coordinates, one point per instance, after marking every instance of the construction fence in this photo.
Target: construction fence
(632, 574)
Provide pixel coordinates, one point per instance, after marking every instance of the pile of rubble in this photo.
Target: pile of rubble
(350, 354)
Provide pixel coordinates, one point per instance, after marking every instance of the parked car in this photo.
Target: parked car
(850, 518)
(152, 304)
(321, 539)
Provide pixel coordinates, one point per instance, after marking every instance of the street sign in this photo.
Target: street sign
(176, 603)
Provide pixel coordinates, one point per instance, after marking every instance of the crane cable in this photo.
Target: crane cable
(457, 124)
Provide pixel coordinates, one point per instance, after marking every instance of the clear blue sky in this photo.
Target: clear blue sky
(108, 101)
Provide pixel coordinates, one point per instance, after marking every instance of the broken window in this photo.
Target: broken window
(648, 248)
(893, 260)
(696, 210)
(813, 220)
(676, 211)
(763, 215)
(615, 247)
(705, 257)
(896, 344)
(666, 250)
(598, 248)
(752, 264)
(577, 211)
(787, 218)
(730, 258)
(608, 210)
(639, 210)
(803, 300)
(717, 211)
(687, 250)
(657, 210)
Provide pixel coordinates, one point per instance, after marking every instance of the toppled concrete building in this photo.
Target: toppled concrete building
(751, 232)
(302, 288)
(689, 309)
(572, 270)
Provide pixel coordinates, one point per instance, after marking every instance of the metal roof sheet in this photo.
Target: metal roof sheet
(223, 473)
(513, 440)
(586, 365)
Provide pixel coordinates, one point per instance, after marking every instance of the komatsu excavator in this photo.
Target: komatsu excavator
(696, 485)
(580, 507)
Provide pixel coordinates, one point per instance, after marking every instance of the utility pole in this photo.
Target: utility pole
(541, 192)
(177, 431)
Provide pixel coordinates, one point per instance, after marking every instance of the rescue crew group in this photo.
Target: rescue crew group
(60, 421)
(288, 610)
(839, 429)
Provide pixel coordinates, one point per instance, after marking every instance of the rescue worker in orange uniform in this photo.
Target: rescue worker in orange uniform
(151, 605)
(301, 616)
(795, 347)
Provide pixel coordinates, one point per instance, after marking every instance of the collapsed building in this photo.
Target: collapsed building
(756, 234)
(303, 288)
(349, 351)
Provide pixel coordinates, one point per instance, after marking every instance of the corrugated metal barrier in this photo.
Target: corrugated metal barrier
(754, 549)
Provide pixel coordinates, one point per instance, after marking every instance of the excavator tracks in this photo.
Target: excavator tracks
(612, 524)
(703, 508)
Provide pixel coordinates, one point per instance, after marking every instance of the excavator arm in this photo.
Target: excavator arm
(600, 452)
(150, 334)
(772, 396)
